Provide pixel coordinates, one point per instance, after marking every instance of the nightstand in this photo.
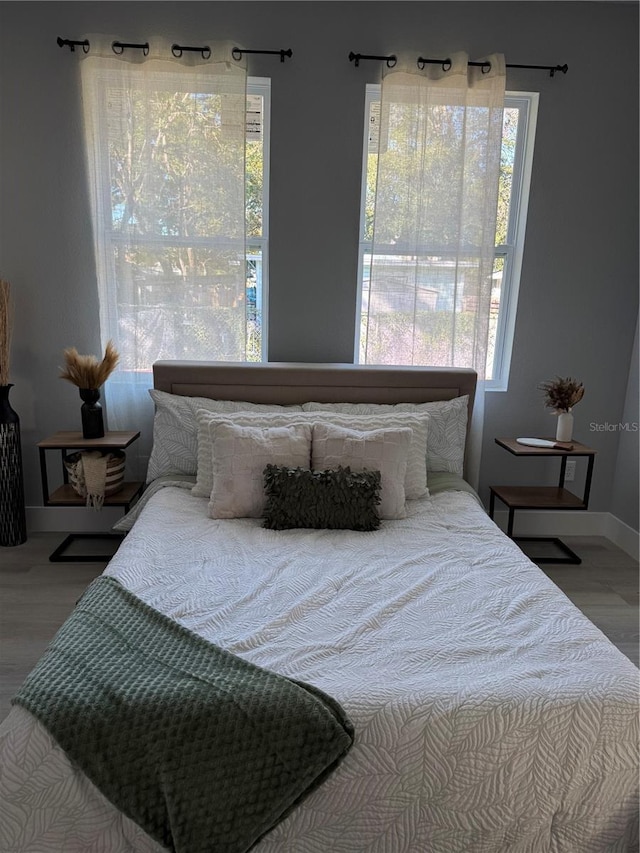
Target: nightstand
(544, 497)
(64, 495)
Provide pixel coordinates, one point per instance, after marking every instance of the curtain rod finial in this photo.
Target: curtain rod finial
(71, 44)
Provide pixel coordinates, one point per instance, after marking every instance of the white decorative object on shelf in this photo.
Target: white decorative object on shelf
(536, 442)
(564, 429)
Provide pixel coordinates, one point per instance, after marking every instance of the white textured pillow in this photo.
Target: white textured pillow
(240, 455)
(175, 442)
(384, 450)
(447, 426)
(415, 484)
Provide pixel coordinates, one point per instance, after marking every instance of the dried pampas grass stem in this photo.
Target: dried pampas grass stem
(86, 371)
(5, 330)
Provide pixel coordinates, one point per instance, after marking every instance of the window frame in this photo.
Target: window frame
(262, 86)
(512, 251)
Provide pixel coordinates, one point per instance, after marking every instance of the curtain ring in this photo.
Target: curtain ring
(236, 53)
(177, 50)
(85, 46)
(486, 67)
(118, 47)
(392, 61)
(421, 63)
(446, 65)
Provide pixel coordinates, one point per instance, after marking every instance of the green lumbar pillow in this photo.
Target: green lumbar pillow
(333, 499)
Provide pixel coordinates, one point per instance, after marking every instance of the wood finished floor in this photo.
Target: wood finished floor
(36, 596)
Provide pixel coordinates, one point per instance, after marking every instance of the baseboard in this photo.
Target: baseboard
(622, 535)
(529, 523)
(559, 523)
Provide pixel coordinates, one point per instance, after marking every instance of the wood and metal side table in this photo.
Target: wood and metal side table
(65, 495)
(544, 497)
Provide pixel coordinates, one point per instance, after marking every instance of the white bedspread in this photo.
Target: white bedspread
(490, 714)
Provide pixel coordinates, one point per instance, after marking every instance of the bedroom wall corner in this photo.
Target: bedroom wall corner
(625, 501)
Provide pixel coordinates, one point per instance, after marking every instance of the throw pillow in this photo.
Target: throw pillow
(239, 457)
(175, 443)
(384, 450)
(415, 485)
(335, 500)
(447, 426)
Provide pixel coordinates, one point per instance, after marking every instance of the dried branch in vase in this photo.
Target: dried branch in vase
(562, 395)
(86, 371)
(6, 323)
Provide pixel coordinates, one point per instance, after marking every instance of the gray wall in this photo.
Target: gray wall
(578, 298)
(624, 503)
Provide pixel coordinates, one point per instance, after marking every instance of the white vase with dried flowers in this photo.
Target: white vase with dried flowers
(89, 375)
(13, 526)
(561, 395)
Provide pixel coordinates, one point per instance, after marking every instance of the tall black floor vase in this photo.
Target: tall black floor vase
(13, 525)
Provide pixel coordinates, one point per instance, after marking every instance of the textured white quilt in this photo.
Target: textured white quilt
(490, 715)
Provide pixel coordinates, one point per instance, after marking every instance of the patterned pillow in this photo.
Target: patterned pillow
(240, 456)
(415, 485)
(175, 430)
(334, 500)
(384, 450)
(447, 426)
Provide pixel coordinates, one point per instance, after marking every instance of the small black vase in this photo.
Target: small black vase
(13, 525)
(92, 421)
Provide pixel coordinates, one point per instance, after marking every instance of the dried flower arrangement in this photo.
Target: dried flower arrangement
(86, 371)
(561, 395)
(5, 330)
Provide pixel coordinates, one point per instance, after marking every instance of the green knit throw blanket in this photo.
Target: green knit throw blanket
(205, 751)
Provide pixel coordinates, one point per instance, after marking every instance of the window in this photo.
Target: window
(515, 173)
(180, 185)
(257, 177)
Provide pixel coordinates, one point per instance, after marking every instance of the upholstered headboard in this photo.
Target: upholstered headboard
(291, 383)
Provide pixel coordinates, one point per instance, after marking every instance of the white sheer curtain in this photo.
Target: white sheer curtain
(429, 292)
(166, 162)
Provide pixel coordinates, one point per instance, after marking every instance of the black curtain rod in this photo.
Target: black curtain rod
(71, 44)
(177, 50)
(356, 57)
(237, 53)
(550, 68)
(119, 47)
(446, 63)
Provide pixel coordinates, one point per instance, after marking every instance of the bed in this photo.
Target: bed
(488, 713)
